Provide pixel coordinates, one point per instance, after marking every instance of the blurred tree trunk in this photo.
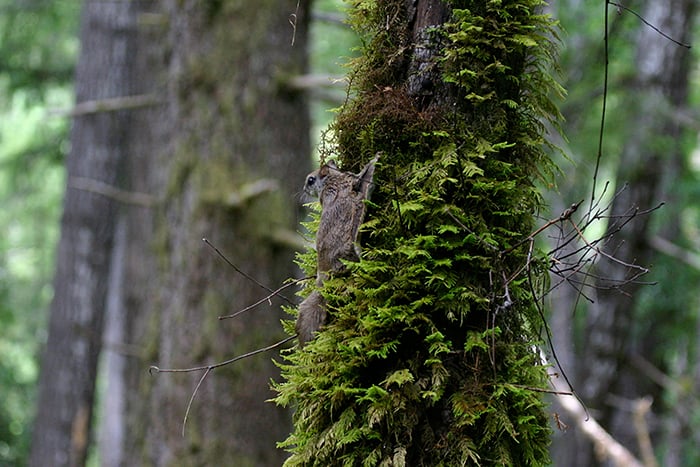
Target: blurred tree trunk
(219, 156)
(222, 157)
(66, 387)
(618, 332)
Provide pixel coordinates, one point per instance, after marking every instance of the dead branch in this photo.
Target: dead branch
(313, 81)
(111, 104)
(208, 369)
(641, 408)
(117, 194)
(605, 445)
(690, 258)
(267, 298)
(244, 274)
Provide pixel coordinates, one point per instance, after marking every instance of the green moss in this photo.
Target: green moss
(428, 354)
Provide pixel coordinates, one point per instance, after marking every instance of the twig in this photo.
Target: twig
(564, 216)
(659, 31)
(189, 403)
(208, 368)
(155, 369)
(247, 276)
(546, 391)
(550, 343)
(641, 270)
(293, 21)
(266, 299)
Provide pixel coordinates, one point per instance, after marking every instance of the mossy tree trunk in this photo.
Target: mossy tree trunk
(221, 156)
(428, 355)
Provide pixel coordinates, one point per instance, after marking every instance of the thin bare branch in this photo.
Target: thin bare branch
(189, 404)
(244, 274)
(564, 216)
(293, 22)
(117, 194)
(112, 104)
(155, 369)
(266, 299)
(643, 20)
(601, 131)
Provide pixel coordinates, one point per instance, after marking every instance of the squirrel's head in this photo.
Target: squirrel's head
(314, 181)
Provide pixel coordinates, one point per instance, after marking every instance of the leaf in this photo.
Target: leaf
(399, 378)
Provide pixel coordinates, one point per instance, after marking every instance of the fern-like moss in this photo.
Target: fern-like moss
(428, 356)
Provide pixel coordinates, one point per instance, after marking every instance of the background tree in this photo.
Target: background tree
(224, 155)
(617, 347)
(69, 366)
(428, 358)
(185, 127)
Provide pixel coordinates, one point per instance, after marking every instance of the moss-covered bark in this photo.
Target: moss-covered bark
(428, 357)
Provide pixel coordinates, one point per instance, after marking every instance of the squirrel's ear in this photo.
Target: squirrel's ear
(326, 168)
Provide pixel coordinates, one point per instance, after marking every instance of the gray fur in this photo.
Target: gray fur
(342, 196)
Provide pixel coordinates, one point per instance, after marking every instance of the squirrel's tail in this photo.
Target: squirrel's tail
(312, 315)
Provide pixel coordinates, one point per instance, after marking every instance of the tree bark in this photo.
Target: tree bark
(61, 433)
(222, 157)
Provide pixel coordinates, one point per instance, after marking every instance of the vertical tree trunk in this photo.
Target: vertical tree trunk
(223, 157)
(426, 358)
(66, 388)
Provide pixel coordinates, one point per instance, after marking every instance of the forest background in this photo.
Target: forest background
(649, 350)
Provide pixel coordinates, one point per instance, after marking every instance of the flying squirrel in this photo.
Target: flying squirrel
(342, 196)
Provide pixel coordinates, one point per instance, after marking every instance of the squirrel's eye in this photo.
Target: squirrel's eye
(311, 180)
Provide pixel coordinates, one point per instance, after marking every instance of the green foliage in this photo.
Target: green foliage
(428, 358)
(32, 182)
(331, 42)
(38, 46)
